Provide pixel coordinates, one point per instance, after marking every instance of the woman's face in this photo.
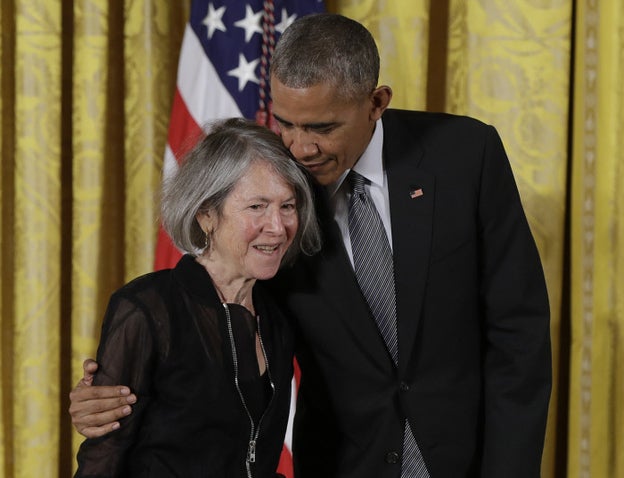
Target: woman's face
(257, 226)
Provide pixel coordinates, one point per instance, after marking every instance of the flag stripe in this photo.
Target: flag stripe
(183, 129)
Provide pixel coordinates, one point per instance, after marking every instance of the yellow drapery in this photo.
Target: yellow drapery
(85, 93)
(509, 65)
(31, 201)
(596, 442)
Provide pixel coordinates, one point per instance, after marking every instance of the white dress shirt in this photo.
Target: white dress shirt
(370, 165)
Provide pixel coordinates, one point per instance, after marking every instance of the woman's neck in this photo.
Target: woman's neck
(232, 290)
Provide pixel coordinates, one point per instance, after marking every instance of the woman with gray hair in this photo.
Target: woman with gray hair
(203, 344)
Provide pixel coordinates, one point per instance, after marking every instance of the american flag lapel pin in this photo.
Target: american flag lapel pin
(416, 193)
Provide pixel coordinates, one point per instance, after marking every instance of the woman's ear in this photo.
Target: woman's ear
(205, 221)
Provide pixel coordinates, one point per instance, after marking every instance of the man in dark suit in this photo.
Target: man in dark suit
(460, 386)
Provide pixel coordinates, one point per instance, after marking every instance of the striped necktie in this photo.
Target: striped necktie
(372, 260)
(374, 270)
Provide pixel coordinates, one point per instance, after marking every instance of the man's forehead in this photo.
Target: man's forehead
(313, 92)
(305, 120)
(315, 113)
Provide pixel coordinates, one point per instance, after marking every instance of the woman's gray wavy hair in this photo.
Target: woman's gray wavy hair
(212, 168)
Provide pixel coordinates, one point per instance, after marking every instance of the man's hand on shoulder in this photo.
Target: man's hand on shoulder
(95, 410)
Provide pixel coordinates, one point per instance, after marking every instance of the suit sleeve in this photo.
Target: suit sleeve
(125, 356)
(517, 361)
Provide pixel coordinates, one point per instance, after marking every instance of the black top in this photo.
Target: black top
(166, 336)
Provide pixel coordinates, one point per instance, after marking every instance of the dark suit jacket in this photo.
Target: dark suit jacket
(474, 367)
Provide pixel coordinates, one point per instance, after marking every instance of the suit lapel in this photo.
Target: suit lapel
(411, 192)
(337, 274)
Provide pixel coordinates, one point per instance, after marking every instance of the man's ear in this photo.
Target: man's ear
(380, 98)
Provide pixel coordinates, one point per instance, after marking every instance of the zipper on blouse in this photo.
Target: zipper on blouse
(251, 451)
(254, 431)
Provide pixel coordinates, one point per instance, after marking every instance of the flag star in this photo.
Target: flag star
(251, 23)
(245, 71)
(286, 21)
(213, 20)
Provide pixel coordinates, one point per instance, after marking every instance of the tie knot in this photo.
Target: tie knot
(357, 182)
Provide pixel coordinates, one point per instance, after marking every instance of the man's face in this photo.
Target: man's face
(324, 133)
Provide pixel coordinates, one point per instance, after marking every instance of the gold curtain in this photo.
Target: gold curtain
(596, 441)
(85, 92)
(509, 65)
(85, 99)
(31, 237)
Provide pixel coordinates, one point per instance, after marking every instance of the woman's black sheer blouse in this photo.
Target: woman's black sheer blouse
(165, 335)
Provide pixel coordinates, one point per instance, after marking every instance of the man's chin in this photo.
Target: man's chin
(324, 178)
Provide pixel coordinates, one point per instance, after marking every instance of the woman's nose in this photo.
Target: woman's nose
(275, 222)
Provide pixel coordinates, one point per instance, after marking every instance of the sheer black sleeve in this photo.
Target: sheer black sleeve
(126, 356)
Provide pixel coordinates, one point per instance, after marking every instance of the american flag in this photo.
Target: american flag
(223, 72)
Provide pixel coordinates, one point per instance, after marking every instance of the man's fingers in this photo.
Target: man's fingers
(89, 367)
(94, 425)
(99, 412)
(109, 413)
(83, 393)
(95, 411)
(98, 404)
(95, 432)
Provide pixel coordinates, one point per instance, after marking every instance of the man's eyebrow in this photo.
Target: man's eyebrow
(281, 120)
(307, 125)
